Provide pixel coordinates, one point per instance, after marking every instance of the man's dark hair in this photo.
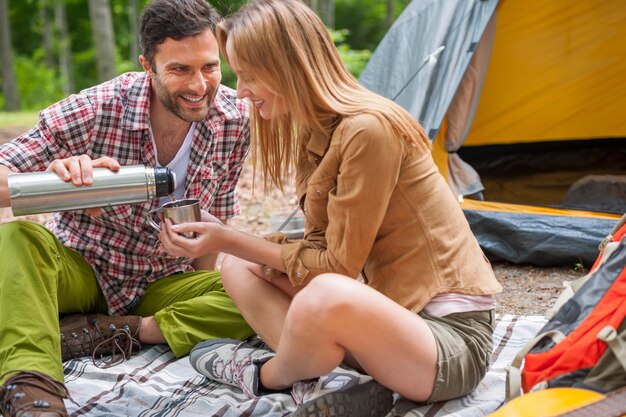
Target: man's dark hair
(174, 19)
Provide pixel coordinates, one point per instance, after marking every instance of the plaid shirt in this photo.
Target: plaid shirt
(111, 119)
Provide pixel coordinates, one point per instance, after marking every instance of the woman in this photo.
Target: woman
(420, 320)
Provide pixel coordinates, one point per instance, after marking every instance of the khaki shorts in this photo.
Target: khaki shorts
(464, 347)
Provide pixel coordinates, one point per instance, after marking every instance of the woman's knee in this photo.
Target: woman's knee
(324, 298)
(236, 274)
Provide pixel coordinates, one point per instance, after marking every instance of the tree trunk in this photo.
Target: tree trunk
(9, 82)
(389, 14)
(328, 13)
(325, 9)
(46, 25)
(134, 36)
(65, 49)
(313, 4)
(104, 40)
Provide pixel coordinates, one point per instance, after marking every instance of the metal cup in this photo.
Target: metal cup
(179, 211)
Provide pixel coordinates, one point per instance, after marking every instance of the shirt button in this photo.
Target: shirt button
(268, 270)
(319, 193)
(299, 274)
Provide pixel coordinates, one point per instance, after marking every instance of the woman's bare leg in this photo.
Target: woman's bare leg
(262, 303)
(334, 315)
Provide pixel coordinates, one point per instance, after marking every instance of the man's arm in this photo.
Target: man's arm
(4, 187)
(77, 169)
(208, 261)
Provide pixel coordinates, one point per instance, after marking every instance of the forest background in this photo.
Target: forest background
(52, 48)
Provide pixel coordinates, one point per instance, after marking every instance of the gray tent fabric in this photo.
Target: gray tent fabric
(539, 239)
(421, 60)
(439, 40)
(463, 179)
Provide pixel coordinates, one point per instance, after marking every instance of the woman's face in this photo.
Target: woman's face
(268, 103)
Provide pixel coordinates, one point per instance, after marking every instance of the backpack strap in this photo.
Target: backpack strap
(609, 335)
(620, 223)
(514, 373)
(570, 287)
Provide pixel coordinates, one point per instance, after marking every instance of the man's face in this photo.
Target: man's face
(186, 75)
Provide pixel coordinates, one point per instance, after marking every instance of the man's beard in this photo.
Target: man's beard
(169, 100)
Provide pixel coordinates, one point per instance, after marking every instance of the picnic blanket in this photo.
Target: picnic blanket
(155, 383)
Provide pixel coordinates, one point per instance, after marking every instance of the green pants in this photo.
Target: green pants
(40, 278)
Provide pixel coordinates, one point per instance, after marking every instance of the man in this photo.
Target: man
(107, 264)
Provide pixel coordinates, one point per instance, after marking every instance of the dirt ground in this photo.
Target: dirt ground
(528, 290)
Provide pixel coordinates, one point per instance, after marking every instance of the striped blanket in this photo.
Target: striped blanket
(155, 383)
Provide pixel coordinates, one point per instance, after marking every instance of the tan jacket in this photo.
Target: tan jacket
(374, 205)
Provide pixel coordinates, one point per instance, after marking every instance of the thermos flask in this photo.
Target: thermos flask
(45, 192)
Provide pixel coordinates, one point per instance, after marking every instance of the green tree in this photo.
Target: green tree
(360, 26)
(366, 20)
(11, 96)
(104, 38)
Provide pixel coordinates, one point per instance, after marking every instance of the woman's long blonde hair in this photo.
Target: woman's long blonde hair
(287, 48)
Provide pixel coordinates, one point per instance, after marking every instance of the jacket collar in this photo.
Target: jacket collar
(319, 142)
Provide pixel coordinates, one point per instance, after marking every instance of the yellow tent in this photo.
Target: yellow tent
(521, 98)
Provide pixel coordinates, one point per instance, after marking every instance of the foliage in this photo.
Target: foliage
(362, 24)
(226, 7)
(38, 85)
(354, 60)
(228, 76)
(365, 20)
(21, 118)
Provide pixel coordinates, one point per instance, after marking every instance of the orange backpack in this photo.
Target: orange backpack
(583, 344)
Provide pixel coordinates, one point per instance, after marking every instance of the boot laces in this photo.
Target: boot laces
(300, 389)
(233, 369)
(116, 348)
(10, 394)
(105, 351)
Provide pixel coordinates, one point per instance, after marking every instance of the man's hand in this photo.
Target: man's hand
(79, 170)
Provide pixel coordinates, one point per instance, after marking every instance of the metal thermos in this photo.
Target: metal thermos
(45, 192)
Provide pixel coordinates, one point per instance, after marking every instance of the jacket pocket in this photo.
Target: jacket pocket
(316, 201)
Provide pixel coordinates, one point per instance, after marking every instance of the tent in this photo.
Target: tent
(518, 96)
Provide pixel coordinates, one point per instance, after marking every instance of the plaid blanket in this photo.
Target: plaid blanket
(155, 383)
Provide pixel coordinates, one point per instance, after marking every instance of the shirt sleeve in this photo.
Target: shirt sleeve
(353, 201)
(62, 130)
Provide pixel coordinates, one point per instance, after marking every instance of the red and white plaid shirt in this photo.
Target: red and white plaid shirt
(111, 120)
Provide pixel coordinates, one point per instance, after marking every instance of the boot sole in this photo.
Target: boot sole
(366, 400)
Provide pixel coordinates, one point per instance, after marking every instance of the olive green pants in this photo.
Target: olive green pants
(40, 278)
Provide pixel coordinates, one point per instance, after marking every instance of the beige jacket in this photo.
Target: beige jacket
(375, 205)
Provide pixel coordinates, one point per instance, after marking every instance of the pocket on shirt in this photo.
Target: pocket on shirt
(316, 201)
(131, 216)
(211, 179)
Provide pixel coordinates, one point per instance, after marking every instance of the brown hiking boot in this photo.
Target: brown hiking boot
(109, 340)
(32, 394)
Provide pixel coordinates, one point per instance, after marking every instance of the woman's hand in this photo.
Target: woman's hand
(205, 216)
(209, 237)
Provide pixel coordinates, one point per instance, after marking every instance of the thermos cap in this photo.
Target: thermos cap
(165, 181)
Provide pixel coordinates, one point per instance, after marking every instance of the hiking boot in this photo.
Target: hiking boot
(341, 393)
(32, 394)
(230, 362)
(99, 336)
